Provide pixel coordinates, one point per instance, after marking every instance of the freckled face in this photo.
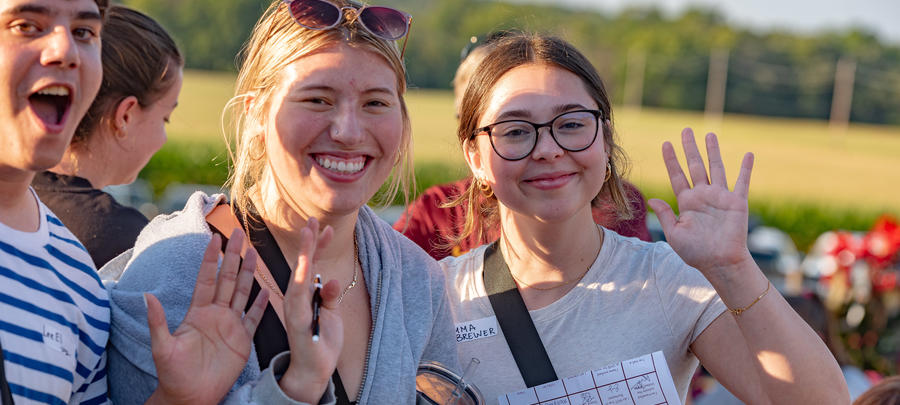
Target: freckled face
(334, 130)
(551, 183)
(50, 71)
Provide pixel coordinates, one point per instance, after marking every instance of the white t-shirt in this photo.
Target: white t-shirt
(637, 298)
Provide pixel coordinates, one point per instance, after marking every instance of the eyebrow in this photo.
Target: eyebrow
(26, 8)
(88, 15)
(37, 9)
(332, 89)
(568, 107)
(380, 90)
(514, 114)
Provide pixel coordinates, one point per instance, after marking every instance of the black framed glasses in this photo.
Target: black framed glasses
(384, 22)
(573, 131)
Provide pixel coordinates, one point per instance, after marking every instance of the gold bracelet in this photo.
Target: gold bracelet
(737, 312)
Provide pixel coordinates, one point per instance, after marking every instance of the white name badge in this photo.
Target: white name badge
(477, 329)
(55, 339)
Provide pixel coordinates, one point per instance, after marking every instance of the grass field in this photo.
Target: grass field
(807, 178)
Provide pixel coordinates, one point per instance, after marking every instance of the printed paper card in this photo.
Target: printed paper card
(645, 380)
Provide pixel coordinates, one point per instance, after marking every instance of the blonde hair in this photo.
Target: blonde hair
(464, 74)
(276, 42)
(503, 55)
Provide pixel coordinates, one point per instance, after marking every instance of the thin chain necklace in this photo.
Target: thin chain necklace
(356, 267)
(274, 287)
(564, 283)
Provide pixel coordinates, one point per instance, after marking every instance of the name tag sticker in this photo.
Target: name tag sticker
(477, 329)
(55, 339)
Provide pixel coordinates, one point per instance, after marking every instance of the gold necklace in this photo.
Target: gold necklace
(274, 287)
(565, 283)
(356, 267)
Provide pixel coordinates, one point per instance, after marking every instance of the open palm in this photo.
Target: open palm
(200, 362)
(710, 231)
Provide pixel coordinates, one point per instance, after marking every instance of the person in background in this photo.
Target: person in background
(433, 225)
(536, 131)
(886, 392)
(319, 124)
(123, 128)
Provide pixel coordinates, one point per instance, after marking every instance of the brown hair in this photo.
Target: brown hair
(102, 5)
(276, 42)
(510, 52)
(887, 392)
(139, 59)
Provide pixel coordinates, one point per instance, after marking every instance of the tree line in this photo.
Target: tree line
(768, 73)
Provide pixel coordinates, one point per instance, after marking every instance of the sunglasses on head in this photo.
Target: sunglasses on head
(383, 22)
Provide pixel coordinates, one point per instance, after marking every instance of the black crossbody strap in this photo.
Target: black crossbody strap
(515, 321)
(5, 395)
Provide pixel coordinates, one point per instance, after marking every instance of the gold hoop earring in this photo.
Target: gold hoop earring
(608, 171)
(485, 188)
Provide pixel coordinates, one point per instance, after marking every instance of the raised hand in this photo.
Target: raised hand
(710, 231)
(200, 362)
(312, 363)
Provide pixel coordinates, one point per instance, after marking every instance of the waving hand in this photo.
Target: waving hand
(199, 363)
(710, 230)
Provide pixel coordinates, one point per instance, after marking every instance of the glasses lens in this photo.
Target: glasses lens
(513, 139)
(315, 14)
(385, 22)
(576, 130)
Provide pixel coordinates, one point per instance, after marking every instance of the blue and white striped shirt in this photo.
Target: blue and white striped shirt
(54, 316)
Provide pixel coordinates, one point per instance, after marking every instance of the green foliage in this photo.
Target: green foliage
(769, 74)
(189, 161)
(805, 222)
(776, 73)
(209, 32)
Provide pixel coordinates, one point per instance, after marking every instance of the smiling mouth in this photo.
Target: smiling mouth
(342, 166)
(50, 104)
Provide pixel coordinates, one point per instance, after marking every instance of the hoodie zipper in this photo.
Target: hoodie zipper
(371, 337)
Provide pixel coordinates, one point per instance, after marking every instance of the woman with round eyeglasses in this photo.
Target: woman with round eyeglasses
(320, 124)
(560, 296)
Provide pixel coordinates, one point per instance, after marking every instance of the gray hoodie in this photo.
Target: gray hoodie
(411, 318)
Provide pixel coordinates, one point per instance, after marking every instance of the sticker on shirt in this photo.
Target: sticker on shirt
(477, 329)
(56, 339)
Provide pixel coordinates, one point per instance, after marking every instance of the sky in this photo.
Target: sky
(881, 17)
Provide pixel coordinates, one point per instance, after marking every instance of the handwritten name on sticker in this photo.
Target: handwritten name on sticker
(477, 329)
(54, 338)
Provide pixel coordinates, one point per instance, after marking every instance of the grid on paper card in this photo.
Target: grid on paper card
(643, 380)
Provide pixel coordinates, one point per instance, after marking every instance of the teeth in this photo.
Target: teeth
(343, 167)
(54, 91)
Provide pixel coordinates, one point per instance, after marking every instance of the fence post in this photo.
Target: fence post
(842, 98)
(634, 79)
(715, 85)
